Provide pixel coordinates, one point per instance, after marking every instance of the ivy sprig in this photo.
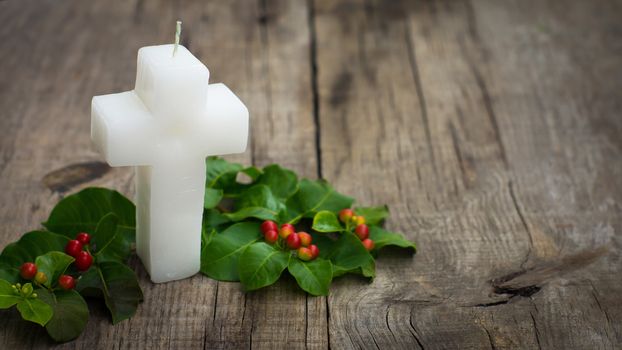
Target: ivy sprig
(236, 251)
(109, 217)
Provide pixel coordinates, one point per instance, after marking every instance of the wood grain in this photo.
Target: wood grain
(490, 128)
(468, 118)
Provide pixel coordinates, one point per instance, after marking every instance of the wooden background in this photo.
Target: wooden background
(491, 128)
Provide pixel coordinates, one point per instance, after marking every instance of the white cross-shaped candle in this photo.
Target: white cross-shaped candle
(166, 127)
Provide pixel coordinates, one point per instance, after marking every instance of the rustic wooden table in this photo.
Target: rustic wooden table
(492, 129)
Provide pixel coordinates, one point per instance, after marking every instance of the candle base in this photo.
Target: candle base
(169, 217)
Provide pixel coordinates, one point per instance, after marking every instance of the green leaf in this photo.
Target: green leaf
(220, 173)
(35, 310)
(383, 238)
(8, 297)
(27, 248)
(282, 182)
(313, 277)
(252, 172)
(253, 212)
(82, 212)
(347, 254)
(212, 197)
(373, 215)
(108, 242)
(326, 221)
(118, 285)
(219, 259)
(70, 314)
(258, 202)
(368, 269)
(213, 220)
(223, 175)
(206, 238)
(53, 264)
(9, 273)
(315, 196)
(261, 265)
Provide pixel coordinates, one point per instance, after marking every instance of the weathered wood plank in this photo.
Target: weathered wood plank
(275, 80)
(565, 175)
(440, 109)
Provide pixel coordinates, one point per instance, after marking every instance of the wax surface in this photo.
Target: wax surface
(166, 127)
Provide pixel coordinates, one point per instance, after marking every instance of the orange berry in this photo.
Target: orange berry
(41, 277)
(285, 231)
(305, 254)
(305, 239)
(345, 215)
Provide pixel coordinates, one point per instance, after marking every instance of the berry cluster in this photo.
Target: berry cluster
(348, 217)
(74, 248)
(287, 236)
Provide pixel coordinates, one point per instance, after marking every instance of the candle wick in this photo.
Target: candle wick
(177, 35)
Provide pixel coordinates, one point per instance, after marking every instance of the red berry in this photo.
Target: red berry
(83, 238)
(305, 254)
(66, 282)
(271, 236)
(368, 244)
(362, 231)
(286, 230)
(293, 241)
(41, 278)
(305, 239)
(345, 215)
(83, 261)
(315, 251)
(28, 270)
(269, 226)
(73, 248)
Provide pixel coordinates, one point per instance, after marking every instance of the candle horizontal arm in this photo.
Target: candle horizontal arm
(122, 129)
(225, 129)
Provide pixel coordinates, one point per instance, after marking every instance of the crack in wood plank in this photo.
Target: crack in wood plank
(536, 331)
(600, 307)
(314, 84)
(414, 70)
(414, 332)
(479, 79)
(528, 282)
(492, 343)
(523, 222)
